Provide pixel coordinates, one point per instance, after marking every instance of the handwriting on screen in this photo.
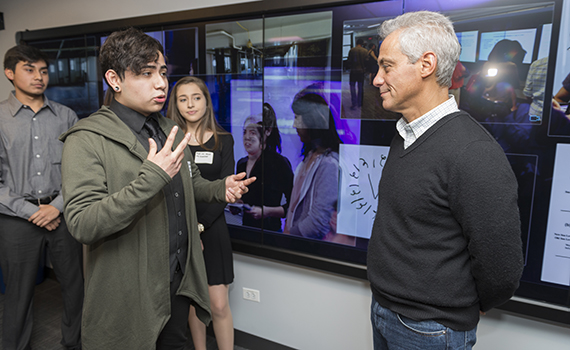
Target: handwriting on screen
(360, 202)
(361, 169)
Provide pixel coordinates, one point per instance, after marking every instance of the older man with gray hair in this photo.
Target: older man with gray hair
(446, 243)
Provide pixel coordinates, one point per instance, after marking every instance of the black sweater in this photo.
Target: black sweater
(446, 240)
(274, 180)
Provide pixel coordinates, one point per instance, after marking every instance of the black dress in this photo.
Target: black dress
(216, 239)
(268, 190)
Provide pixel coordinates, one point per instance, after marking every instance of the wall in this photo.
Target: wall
(306, 309)
(299, 307)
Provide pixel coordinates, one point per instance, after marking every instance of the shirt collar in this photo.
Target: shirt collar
(134, 120)
(410, 132)
(15, 105)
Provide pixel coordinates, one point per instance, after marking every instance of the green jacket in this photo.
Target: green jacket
(114, 204)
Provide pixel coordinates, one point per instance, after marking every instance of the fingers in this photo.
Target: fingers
(53, 225)
(170, 139)
(33, 216)
(179, 151)
(167, 159)
(249, 181)
(152, 148)
(239, 176)
(230, 195)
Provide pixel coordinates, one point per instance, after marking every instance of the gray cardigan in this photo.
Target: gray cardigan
(318, 197)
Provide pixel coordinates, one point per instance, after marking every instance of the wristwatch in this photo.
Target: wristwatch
(200, 228)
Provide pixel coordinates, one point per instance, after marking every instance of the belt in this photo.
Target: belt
(44, 200)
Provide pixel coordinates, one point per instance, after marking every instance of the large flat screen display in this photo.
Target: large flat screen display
(283, 81)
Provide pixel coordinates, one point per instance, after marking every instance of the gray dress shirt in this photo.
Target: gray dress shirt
(30, 154)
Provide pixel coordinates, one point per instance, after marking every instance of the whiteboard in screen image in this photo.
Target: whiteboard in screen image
(361, 168)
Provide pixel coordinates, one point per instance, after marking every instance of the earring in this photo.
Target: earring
(116, 88)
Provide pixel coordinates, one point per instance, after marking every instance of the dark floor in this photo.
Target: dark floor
(47, 318)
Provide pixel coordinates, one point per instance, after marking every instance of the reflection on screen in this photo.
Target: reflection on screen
(468, 41)
(525, 37)
(544, 45)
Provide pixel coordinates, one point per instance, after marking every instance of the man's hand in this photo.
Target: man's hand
(45, 216)
(236, 187)
(167, 160)
(54, 224)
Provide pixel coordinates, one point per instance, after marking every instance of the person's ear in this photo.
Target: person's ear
(428, 64)
(267, 132)
(9, 74)
(113, 80)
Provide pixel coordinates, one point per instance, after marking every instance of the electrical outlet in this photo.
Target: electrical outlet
(251, 294)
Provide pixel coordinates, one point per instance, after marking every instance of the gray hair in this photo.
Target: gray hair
(424, 31)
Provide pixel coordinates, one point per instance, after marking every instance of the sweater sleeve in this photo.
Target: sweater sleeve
(483, 198)
(321, 197)
(91, 212)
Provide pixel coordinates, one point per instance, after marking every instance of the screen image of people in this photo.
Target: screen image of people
(268, 200)
(315, 188)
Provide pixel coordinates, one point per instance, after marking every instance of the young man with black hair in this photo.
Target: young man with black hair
(130, 186)
(31, 202)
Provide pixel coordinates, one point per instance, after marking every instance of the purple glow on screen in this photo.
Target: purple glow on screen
(281, 84)
(441, 6)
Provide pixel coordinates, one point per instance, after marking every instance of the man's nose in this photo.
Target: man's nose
(378, 79)
(161, 82)
(38, 75)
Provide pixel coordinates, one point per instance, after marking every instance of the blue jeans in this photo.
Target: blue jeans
(396, 332)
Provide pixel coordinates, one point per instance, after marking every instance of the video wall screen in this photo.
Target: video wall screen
(468, 42)
(524, 37)
(313, 130)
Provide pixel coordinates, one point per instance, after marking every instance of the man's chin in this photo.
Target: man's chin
(157, 108)
(36, 93)
(387, 106)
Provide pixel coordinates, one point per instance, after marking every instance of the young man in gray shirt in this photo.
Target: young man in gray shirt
(30, 200)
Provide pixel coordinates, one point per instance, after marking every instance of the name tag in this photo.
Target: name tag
(204, 157)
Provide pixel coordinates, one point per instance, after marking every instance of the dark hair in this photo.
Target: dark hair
(318, 120)
(273, 141)
(507, 51)
(208, 122)
(359, 42)
(129, 49)
(23, 53)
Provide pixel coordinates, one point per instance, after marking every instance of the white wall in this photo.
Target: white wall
(310, 310)
(299, 307)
